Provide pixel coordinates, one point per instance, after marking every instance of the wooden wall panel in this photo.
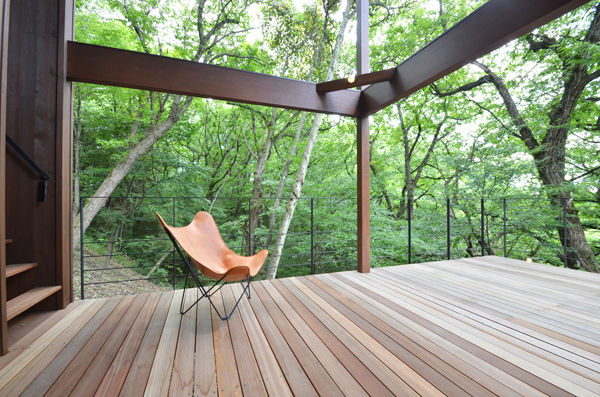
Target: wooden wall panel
(4, 18)
(38, 120)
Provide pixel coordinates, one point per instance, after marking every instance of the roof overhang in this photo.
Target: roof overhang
(486, 29)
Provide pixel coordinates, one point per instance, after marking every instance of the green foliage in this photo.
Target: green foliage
(208, 159)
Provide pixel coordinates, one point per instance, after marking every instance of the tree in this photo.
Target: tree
(214, 25)
(574, 72)
(301, 173)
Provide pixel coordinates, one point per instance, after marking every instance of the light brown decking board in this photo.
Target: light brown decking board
(479, 326)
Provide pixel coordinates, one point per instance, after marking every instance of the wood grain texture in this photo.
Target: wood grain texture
(91, 378)
(270, 371)
(115, 376)
(20, 384)
(160, 374)
(228, 380)
(137, 378)
(22, 302)
(481, 326)
(71, 375)
(320, 378)
(14, 269)
(487, 28)
(4, 28)
(182, 379)
(110, 66)
(250, 377)
(205, 373)
(20, 362)
(32, 335)
(62, 360)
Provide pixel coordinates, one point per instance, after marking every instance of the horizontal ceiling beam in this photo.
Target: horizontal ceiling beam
(487, 28)
(356, 81)
(94, 64)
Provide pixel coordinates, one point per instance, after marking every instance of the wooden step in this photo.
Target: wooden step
(18, 305)
(17, 268)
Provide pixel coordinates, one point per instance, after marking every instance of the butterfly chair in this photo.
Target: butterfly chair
(205, 247)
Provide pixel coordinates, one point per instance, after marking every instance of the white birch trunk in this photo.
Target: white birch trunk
(301, 173)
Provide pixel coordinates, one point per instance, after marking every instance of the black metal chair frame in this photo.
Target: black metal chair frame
(191, 270)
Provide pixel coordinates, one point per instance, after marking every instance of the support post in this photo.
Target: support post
(409, 211)
(504, 224)
(312, 236)
(482, 226)
(81, 248)
(173, 264)
(565, 241)
(363, 183)
(363, 203)
(250, 226)
(448, 253)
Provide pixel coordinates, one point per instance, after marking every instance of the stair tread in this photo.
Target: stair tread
(8, 241)
(17, 268)
(19, 304)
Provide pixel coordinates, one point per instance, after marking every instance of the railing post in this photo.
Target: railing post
(564, 211)
(173, 263)
(482, 226)
(448, 254)
(81, 247)
(249, 226)
(409, 212)
(312, 237)
(504, 222)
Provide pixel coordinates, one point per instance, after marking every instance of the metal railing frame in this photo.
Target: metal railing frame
(322, 234)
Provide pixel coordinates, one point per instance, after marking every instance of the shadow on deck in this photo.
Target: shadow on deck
(480, 326)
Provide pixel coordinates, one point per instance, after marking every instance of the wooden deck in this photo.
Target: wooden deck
(481, 326)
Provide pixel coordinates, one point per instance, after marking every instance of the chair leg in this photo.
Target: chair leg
(245, 291)
(199, 286)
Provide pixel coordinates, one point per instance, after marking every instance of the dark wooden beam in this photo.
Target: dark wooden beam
(356, 81)
(109, 66)
(363, 153)
(489, 27)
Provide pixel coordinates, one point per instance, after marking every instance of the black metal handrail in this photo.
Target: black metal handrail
(43, 175)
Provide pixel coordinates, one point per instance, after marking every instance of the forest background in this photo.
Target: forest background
(506, 148)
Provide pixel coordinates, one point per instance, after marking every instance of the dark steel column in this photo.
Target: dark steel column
(363, 175)
(504, 231)
(565, 240)
(81, 249)
(312, 236)
(409, 215)
(482, 226)
(448, 242)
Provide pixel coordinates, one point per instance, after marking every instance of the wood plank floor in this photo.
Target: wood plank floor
(480, 326)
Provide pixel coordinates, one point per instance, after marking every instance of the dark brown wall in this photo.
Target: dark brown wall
(35, 120)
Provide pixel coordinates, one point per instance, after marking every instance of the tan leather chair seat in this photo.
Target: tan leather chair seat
(202, 241)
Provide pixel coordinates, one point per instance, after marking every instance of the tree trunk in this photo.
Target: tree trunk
(283, 178)
(120, 171)
(301, 173)
(256, 204)
(549, 154)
